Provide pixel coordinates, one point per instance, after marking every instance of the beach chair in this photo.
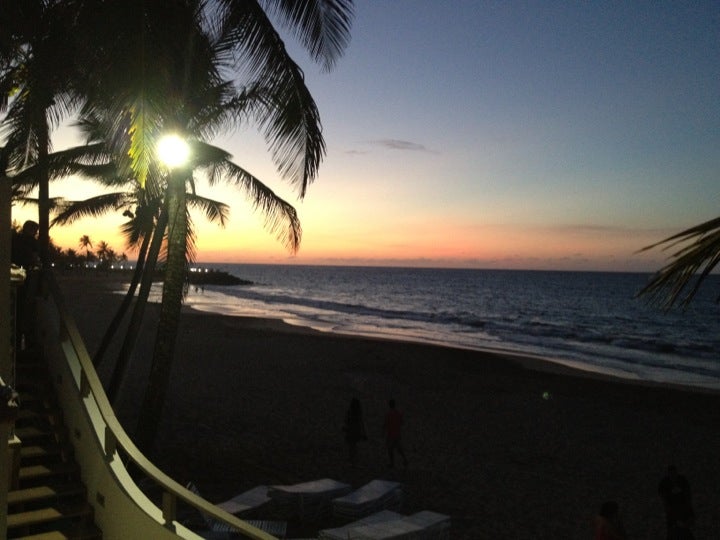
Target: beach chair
(423, 525)
(345, 532)
(274, 527)
(371, 498)
(245, 504)
(241, 505)
(308, 501)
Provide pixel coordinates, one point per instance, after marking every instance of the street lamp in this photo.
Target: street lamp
(173, 151)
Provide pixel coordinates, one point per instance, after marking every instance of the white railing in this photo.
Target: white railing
(104, 450)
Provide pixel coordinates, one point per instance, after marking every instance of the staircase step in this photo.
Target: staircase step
(51, 502)
(27, 433)
(46, 515)
(33, 472)
(28, 398)
(30, 435)
(42, 493)
(39, 451)
(86, 532)
(31, 414)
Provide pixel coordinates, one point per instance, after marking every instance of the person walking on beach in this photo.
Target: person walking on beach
(675, 493)
(392, 428)
(354, 429)
(608, 525)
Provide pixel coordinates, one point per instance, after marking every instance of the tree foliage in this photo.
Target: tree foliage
(696, 256)
(132, 70)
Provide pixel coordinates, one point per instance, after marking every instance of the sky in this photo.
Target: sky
(464, 133)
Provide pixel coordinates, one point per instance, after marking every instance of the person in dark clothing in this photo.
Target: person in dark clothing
(25, 253)
(354, 429)
(25, 246)
(675, 493)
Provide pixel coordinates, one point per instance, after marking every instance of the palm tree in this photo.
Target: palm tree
(138, 231)
(192, 45)
(680, 280)
(102, 251)
(35, 90)
(285, 110)
(85, 243)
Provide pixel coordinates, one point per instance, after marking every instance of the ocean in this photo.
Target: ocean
(587, 320)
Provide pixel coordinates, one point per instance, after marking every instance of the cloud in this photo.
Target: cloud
(397, 144)
(610, 230)
(392, 144)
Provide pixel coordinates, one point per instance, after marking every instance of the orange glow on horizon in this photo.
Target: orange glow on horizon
(409, 243)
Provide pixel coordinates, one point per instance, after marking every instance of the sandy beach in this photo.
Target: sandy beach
(510, 448)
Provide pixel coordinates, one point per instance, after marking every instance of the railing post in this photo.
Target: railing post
(84, 384)
(110, 443)
(169, 509)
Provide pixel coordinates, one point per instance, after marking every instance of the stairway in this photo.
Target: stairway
(49, 501)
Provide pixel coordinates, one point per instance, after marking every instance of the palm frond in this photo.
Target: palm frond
(141, 222)
(679, 281)
(190, 245)
(98, 206)
(289, 117)
(68, 163)
(322, 26)
(209, 159)
(144, 133)
(214, 211)
(280, 216)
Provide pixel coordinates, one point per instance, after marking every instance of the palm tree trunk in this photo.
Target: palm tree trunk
(172, 295)
(127, 301)
(136, 319)
(43, 191)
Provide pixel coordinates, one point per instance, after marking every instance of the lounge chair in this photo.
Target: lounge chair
(423, 525)
(241, 505)
(308, 501)
(372, 497)
(345, 532)
(273, 527)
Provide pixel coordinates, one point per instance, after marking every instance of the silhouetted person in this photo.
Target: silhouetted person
(25, 253)
(25, 249)
(608, 525)
(392, 428)
(354, 429)
(675, 493)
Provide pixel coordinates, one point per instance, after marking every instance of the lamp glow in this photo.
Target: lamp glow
(173, 151)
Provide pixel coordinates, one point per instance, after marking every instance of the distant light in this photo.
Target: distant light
(173, 150)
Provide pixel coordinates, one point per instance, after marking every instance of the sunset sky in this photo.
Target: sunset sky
(540, 135)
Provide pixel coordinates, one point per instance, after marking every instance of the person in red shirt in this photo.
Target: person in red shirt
(608, 525)
(392, 428)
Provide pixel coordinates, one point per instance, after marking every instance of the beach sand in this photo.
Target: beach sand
(510, 448)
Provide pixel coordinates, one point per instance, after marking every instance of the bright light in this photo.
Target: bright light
(173, 150)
